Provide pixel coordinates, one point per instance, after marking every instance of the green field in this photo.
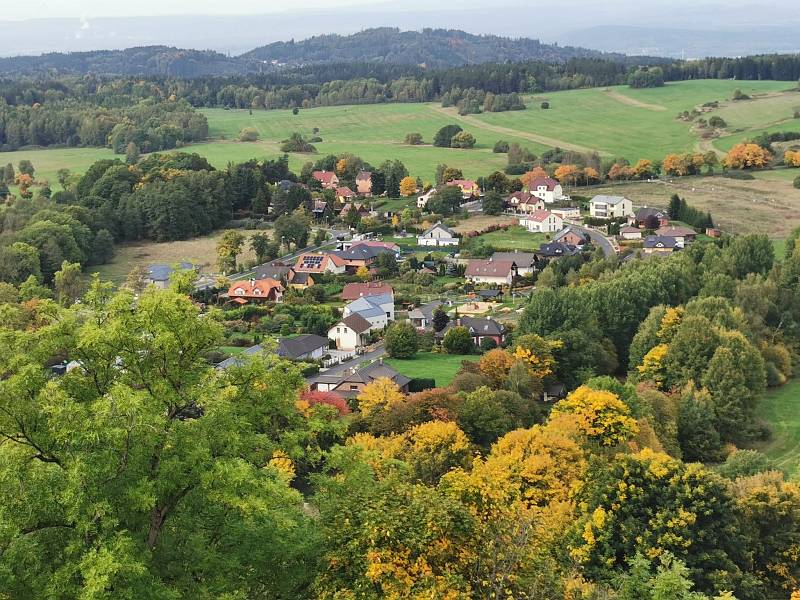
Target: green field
(442, 367)
(616, 121)
(781, 409)
(514, 238)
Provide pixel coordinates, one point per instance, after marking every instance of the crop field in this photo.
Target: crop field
(616, 122)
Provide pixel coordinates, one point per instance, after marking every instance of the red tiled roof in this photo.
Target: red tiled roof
(538, 215)
(352, 291)
(345, 192)
(549, 182)
(488, 268)
(364, 176)
(260, 288)
(325, 177)
(463, 183)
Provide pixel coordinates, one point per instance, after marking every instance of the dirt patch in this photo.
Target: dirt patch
(615, 95)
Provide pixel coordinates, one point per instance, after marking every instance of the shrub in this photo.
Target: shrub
(797, 182)
(248, 134)
(401, 340)
(458, 341)
(717, 121)
(545, 105)
(444, 136)
(500, 147)
(296, 143)
(744, 463)
(463, 139)
(413, 139)
(295, 110)
(737, 174)
(739, 95)
(420, 384)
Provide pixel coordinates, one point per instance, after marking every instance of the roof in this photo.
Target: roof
(648, 211)
(488, 268)
(272, 271)
(357, 323)
(465, 183)
(300, 345)
(236, 361)
(363, 176)
(255, 288)
(611, 200)
(478, 326)
(556, 390)
(489, 293)
(547, 182)
(325, 177)
(374, 371)
(630, 229)
(361, 252)
(317, 262)
(301, 279)
(438, 226)
(555, 249)
(163, 272)
(320, 205)
(345, 191)
(538, 215)
(660, 241)
(377, 244)
(675, 231)
(522, 196)
(564, 232)
(521, 259)
(370, 306)
(356, 290)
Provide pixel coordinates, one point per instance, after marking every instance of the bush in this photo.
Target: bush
(315, 140)
(488, 344)
(739, 95)
(248, 134)
(420, 384)
(500, 147)
(545, 105)
(458, 341)
(295, 110)
(744, 463)
(401, 340)
(797, 182)
(444, 136)
(716, 121)
(463, 139)
(737, 174)
(296, 143)
(413, 139)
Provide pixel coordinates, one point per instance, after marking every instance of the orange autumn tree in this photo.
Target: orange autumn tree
(591, 175)
(408, 186)
(747, 156)
(528, 177)
(495, 365)
(676, 164)
(567, 174)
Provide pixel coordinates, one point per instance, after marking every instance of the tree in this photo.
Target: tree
(25, 167)
(463, 139)
(293, 228)
(363, 273)
(444, 136)
(248, 134)
(8, 173)
(68, 283)
(408, 186)
(600, 415)
(567, 174)
(380, 394)
(261, 244)
(413, 139)
(747, 156)
(401, 340)
(545, 105)
(228, 248)
(494, 365)
(440, 319)
(791, 158)
(131, 156)
(102, 247)
(500, 147)
(492, 203)
(136, 280)
(458, 340)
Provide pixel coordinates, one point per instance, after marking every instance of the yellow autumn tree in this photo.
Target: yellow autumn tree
(528, 177)
(669, 323)
(643, 168)
(591, 175)
(676, 164)
(436, 447)
(341, 166)
(653, 367)
(495, 365)
(537, 353)
(600, 415)
(747, 156)
(363, 273)
(791, 158)
(379, 394)
(408, 186)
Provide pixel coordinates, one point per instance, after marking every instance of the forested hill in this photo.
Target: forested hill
(434, 48)
(431, 47)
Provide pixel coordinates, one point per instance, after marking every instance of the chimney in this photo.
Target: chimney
(380, 360)
(252, 281)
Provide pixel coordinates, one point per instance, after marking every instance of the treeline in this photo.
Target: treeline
(473, 101)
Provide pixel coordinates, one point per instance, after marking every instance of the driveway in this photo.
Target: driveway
(341, 368)
(598, 239)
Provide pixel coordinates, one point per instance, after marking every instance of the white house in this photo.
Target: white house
(378, 309)
(610, 207)
(542, 221)
(350, 333)
(498, 272)
(437, 235)
(546, 188)
(422, 201)
(630, 233)
(568, 213)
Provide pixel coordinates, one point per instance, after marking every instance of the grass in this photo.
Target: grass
(441, 367)
(781, 409)
(515, 238)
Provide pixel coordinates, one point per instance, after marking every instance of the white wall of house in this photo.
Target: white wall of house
(603, 210)
(551, 224)
(494, 280)
(345, 338)
(549, 196)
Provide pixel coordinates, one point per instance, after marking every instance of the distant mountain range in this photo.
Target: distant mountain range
(431, 48)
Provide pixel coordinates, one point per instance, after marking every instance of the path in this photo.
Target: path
(533, 137)
(599, 239)
(615, 95)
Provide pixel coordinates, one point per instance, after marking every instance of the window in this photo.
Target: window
(338, 330)
(353, 388)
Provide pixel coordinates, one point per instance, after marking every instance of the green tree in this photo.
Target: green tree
(8, 173)
(440, 319)
(292, 228)
(68, 283)
(492, 203)
(444, 136)
(260, 244)
(132, 153)
(228, 248)
(458, 340)
(102, 247)
(463, 139)
(26, 167)
(401, 340)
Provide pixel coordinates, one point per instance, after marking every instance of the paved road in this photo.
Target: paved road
(598, 239)
(339, 369)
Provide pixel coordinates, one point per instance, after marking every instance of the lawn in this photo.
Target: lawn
(515, 238)
(441, 367)
(781, 409)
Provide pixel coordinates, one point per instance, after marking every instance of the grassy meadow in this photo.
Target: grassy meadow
(781, 409)
(441, 367)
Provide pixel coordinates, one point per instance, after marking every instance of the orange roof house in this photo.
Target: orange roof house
(328, 179)
(255, 290)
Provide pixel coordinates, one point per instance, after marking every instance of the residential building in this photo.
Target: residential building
(422, 201)
(468, 187)
(320, 208)
(159, 275)
(352, 382)
(328, 179)
(300, 281)
(556, 250)
(344, 194)
(546, 188)
(364, 183)
(350, 333)
(255, 290)
(499, 272)
(542, 221)
(490, 295)
(349, 207)
(630, 233)
(320, 263)
(390, 246)
(568, 213)
(656, 244)
(437, 235)
(353, 291)
(273, 270)
(422, 317)
(644, 213)
(524, 202)
(361, 255)
(303, 347)
(378, 310)
(479, 329)
(610, 207)
(525, 262)
(572, 236)
(553, 392)
(682, 235)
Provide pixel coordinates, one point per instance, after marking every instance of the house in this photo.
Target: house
(499, 272)
(390, 246)
(422, 201)
(568, 213)
(556, 250)
(328, 179)
(364, 183)
(490, 295)
(319, 209)
(238, 360)
(320, 263)
(159, 275)
(468, 187)
(479, 329)
(554, 392)
(422, 317)
(361, 255)
(546, 188)
(645, 213)
(378, 310)
(349, 207)
(524, 202)
(300, 281)
(610, 207)
(303, 347)
(352, 382)
(682, 235)
(437, 235)
(274, 270)
(255, 290)
(542, 221)
(353, 291)
(344, 194)
(525, 262)
(656, 244)
(350, 333)
(573, 237)
(630, 233)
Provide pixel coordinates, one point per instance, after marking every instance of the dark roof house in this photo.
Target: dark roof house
(302, 346)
